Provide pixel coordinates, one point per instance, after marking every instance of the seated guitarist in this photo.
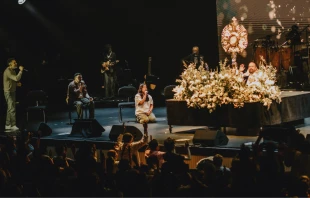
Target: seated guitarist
(109, 61)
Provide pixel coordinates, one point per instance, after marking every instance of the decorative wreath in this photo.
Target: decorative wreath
(234, 37)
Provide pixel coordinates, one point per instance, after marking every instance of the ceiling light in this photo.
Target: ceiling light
(21, 1)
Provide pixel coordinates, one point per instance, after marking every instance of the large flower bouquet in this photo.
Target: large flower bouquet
(209, 89)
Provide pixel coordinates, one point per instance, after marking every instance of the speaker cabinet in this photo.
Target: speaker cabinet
(208, 137)
(87, 128)
(119, 129)
(278, 133)
(34, 128)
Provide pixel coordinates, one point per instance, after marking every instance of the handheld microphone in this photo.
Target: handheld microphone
(25, 70)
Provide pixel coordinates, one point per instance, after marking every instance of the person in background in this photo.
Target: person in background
(196, 58)
(127, 149)
(174, 162)
(144, 106)
(10, 81)
(153, 150)
(108, 71)
(249, 76)
(111, 162)
(78, 95)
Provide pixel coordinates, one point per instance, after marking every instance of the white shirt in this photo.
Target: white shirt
(145, 107)
(124, 153)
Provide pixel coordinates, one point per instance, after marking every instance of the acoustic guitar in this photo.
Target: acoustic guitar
(106, 65)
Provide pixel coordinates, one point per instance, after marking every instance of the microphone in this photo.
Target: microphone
(25, 70)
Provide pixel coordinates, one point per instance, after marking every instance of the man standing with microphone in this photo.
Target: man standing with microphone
(10, 81)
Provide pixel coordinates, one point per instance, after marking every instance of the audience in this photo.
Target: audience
(128, 149)
(27, 169)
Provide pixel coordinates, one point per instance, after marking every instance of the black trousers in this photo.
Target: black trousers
(109, 84)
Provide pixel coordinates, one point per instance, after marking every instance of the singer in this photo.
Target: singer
(77, 94)
(144, 106)
(10, 81)
(195, 57)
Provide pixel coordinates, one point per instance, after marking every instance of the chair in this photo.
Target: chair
(36, 101)
(129, 92)
(168, 93)
(71, 106)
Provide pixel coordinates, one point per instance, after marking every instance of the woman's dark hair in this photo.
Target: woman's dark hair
(76, 74)
(169, 144)
(140, 91)
(218, 160)
(153, 144)
(127, 137)
(106, 48)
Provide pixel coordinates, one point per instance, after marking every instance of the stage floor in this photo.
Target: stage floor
(108, 117)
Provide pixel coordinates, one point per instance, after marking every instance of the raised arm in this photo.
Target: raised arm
(11, 76)
(73, 89)
(139, 100)
(119, 142)
(189, 155)
(141, 143)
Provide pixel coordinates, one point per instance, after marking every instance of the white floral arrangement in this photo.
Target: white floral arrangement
(209, 89)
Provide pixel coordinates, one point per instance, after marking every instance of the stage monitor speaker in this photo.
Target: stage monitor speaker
(119, 129)
(87, 128)
(278, 133)
(34, 128)
(208, 137)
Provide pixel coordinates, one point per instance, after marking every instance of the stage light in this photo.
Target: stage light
(21, 1)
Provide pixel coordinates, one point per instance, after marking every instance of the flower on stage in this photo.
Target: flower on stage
(209, 89)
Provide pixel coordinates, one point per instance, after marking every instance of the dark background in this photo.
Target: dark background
(73, 33)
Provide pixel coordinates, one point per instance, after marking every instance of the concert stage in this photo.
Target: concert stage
(108, 116)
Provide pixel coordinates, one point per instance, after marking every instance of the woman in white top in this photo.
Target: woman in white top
(144, 105)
